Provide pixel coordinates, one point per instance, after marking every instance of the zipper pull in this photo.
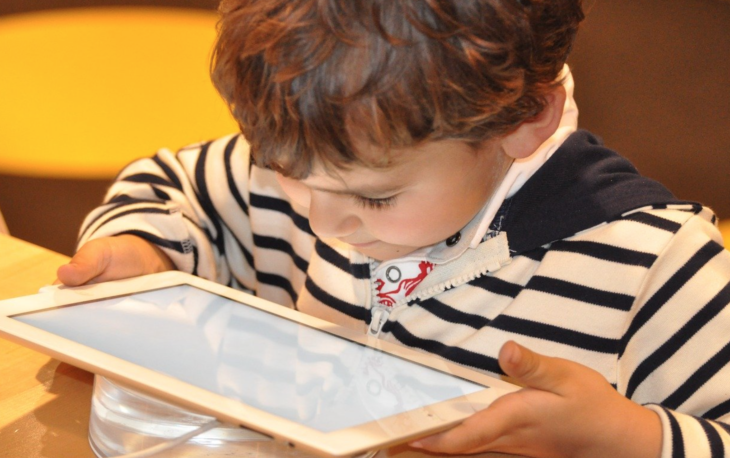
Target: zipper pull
(379, 316)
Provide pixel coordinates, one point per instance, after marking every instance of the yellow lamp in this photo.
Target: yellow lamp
(85, 91)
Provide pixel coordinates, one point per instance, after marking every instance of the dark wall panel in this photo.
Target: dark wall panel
(653, 79)
(48, 211)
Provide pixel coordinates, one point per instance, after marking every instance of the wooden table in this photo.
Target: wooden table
(44, 404)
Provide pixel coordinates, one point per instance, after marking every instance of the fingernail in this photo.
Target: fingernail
(515, 354)
(416, 444)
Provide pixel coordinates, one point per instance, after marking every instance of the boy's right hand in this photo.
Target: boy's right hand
(113, 258)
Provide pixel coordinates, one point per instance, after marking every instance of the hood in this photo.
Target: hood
(581, 186)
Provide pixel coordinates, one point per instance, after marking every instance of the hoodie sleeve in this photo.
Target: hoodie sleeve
(675, 354)
(193, 204)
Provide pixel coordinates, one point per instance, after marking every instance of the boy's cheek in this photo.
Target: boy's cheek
(297, 192)
(413, 233)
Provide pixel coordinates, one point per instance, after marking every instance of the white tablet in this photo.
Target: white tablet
(247, 361)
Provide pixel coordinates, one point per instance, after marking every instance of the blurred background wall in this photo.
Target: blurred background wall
(652, 79)
(85, 88)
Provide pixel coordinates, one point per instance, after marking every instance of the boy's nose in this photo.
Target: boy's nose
(330, 215)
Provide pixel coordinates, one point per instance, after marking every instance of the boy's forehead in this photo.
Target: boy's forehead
(379, 157)
(371, 161)
(352, 182)
(378, 167)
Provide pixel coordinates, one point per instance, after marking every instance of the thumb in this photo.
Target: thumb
(88, 263)
(533, 369)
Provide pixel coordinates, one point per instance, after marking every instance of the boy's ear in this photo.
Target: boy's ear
(531, 134)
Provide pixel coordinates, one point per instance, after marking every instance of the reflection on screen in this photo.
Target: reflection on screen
(273, 364)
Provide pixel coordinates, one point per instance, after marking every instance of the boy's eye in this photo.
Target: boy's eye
(375, 204)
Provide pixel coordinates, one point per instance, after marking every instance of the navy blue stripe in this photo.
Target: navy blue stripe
(124, 199)
(230, 146)
(355, 311)
(205, 201)
(719, 410)
(677, 440)
(710, 368)
(674, 343)
(274, 243)
(455, 354)
(581, 293)
(536, 255)
(228, 152)
(669, 289)
(724, 426)
(326, 252)
(606, 252)
(116, 202)
(164, 243)
(301, 222)
(555, 334)
(497, 286)
(278, 281)
(694, 207)
(113, 206)
(147, 178)
(247, 255)
(452, 315)
(654, 221)
(160, 194)
(281, 206)
(196, 259)
(143, 210)
(717, 449)
(208, 207)
(171, 176)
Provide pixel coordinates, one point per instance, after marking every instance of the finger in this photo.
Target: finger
(533, 369)
(87, 264)
(478, 433)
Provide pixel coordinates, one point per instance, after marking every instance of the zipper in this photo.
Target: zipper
(378, 317)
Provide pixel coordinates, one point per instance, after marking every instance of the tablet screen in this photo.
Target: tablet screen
(268, 362)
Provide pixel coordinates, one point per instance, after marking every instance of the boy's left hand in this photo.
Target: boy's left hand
(565, 410)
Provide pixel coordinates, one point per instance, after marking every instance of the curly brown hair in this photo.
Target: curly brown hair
(305, 78)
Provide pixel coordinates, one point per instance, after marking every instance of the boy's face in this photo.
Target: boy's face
(428, 194)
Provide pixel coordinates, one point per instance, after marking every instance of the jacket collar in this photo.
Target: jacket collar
(581, 186)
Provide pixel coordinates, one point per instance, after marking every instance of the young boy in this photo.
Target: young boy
(412, 169)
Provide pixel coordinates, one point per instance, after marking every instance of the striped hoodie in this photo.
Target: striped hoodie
(588, 261)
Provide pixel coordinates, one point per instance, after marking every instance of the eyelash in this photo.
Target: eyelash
(375, 204)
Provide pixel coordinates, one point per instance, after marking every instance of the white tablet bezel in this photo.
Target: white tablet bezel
(346, 442)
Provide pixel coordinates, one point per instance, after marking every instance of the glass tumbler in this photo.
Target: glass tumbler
(124, 420)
